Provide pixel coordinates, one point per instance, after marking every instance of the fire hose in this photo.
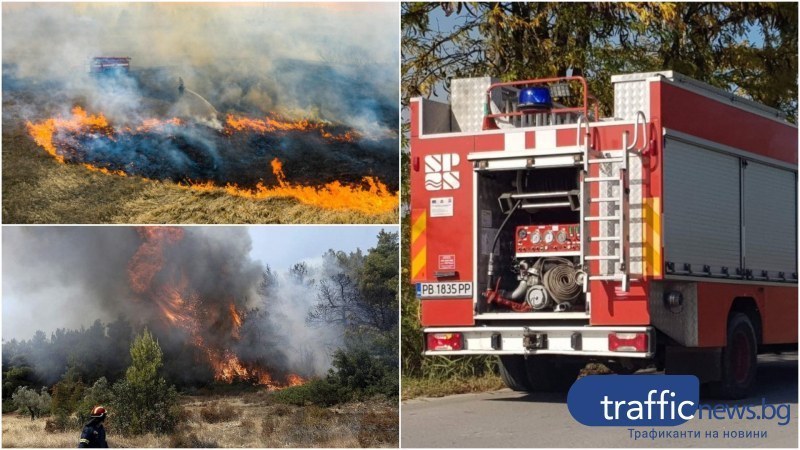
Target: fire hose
(490, 268)
(562, 281)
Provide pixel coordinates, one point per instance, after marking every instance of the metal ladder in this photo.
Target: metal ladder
(615, 263)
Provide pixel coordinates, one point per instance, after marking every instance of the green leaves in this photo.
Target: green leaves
(750, 48)
(143, 402)
(146, 360)
(31, 402)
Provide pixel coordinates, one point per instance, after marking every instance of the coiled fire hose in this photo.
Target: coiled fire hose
(561, 281)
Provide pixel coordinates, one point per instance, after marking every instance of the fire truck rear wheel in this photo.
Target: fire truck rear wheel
(739, 360)
(514, 372)
(552, 374)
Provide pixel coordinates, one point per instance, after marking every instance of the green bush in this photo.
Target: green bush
(68, 393)
(318, 392)
(15, 377)
(31, 402)
(140, 409)
(100, 394)
(143, 402)
(59, 423)
(8, 406)
(356, 375)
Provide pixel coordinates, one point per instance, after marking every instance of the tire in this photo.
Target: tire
(514, 373)
(739, 360)
(552, 374)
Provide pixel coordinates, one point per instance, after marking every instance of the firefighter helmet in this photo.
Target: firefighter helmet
(98, 411)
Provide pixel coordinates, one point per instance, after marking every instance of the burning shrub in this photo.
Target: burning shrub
(142, 401)
(356, 375)
(318, 392)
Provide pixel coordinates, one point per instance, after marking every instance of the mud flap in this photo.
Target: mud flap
(704, 363)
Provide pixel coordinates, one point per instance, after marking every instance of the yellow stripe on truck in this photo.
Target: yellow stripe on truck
(652, 237)
(418, 263)
(418, 227)
(418, 245)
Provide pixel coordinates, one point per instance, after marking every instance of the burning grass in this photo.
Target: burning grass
(249, 421)
(232, 161)
(37, 189)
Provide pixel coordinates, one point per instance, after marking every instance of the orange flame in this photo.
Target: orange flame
(177, 304)
(275, 124)
(375, 198)
(80, 121)
(371, 196)
(294, 380)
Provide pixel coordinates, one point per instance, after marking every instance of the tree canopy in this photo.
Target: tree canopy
(748, 48)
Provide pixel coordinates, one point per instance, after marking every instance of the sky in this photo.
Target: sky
(283, 246)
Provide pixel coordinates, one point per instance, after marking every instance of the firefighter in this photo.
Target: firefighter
(93, 434)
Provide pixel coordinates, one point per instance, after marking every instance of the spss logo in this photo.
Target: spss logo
(439, 173)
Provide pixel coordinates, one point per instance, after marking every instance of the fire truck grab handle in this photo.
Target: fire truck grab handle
(639, 115)
(581, 122)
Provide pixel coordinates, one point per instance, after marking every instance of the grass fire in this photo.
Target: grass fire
(238, 164)
(211, 129)
(195, 321)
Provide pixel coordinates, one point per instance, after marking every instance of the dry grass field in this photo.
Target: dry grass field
(246, 421)
(37, 189)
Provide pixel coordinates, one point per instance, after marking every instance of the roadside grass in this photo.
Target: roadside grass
(37, 189)
(251, 421)
(441, 386)
(413, 387)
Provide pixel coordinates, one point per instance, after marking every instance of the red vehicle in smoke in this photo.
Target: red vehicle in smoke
(109, 65)
(550, 236)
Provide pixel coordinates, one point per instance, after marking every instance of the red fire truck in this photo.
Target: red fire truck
(550, 236)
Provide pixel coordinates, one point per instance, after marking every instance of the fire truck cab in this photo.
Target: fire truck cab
(550, 236)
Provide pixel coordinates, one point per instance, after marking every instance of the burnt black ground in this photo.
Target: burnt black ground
(37, 189)
(198, 153)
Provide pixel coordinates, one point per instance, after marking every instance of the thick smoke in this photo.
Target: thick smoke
(75, 275)
(329, 62)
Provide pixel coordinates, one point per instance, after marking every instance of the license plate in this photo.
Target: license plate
(450, 289)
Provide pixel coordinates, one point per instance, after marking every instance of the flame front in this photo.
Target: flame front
(151, 278)
(275, 124)
(370, 196)
(80, 122)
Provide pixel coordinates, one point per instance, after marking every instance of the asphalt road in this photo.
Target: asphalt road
(512, 419)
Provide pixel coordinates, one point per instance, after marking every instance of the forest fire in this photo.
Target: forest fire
(209, 326)
(232, 160)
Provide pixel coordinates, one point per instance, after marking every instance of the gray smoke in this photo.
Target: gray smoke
(337, 61)
(70, 276)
